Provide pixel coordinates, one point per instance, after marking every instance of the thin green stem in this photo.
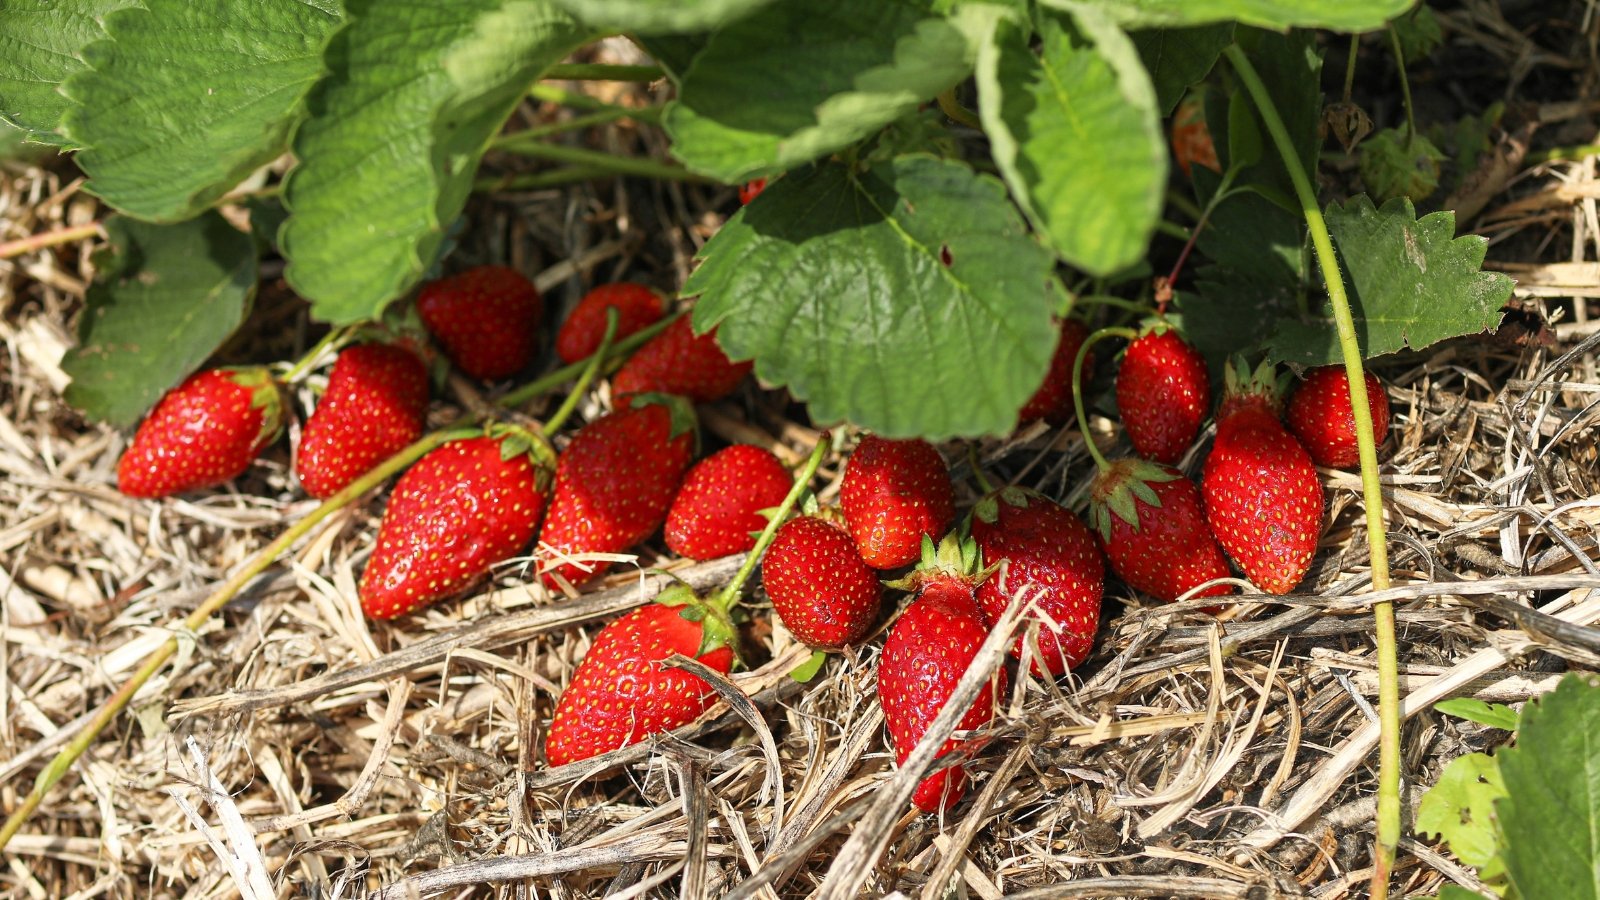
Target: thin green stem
(309, 358)
(729, 594)
(615, 165)
(950, 106)
(549, 93)
(1552, 154)
(1184, 204)
(978, 475)
(1077, 395)
(1405, 85)
(1388, 819)
(547, 178)
(576, 123)
(1222, 192)
(1133, 306)
(590, 367)
(551, 380)
(1350, 66)
(602, 72)
(1173, 229)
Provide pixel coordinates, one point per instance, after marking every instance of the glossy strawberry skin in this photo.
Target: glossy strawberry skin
(751, 190)
(1052, 402)
(621, 694)
(1322, 418)
(375, 405)
(614, 484)
(677, 361)
(637, 307)
(1163, 394)
(925, 655)
(202, 433)
(458, 511)
(719, 504)
(822, 589)
(1170, 549)
(1262, 498)
(894, 493)
(1043, 547)
(487, 318)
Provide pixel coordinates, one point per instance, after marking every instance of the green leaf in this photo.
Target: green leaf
(659, 16)
(803, 78)
(415, 92)
(1460, 808)
(808, 670)
(1340, 15)
(1412, 284)
(1448, 891)
(1291, 67)
(1551, 816)
(165, 298)
(1494, 715)
(1396, 164)
(1178, 58)
(673, 52)
(184, 99)
(908, 298)
(1076, 135)
(40, 43)
(1418, 31)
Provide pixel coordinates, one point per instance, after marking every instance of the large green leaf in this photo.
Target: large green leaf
(1340, 15)
(803, 78)
(1291, 67)
(1551, 816)
(414, 93)
(1076, 135)
(909, 298)
(660, 16)
(1412, 283)
(1178, 58)
(184, 99)
(40, 43)
(1460, 809)
(165, 298)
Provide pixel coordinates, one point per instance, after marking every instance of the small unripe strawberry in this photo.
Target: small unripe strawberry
(894, 494)
(637, 307)
(822, 589)
(487, 318)
(375, 405)
(1321, 416)
(1163, 394)
(677, 361)
(202, 433)
(719, 504)
(1052, 402)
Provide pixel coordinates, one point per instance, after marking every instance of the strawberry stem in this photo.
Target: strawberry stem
(590, 367)
(978, 475)
(1077, 395)
(1388, 815)
(309, 359)
(566, 373)
(729, 595)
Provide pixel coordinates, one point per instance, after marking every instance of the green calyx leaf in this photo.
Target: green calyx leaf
(1119, 490)
(678, 408)
(518, 441)
(266, 394)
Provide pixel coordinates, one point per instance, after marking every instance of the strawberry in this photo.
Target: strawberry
(615, 482)
(462, 508)
(487, 318)
(1163, 393)
(1320, 415)
(894, 494)
(622, 694)
(1049, 554)
(1262, 498)
(376, 404)
(927, 651)
(637, 307)
(823, 590)
(1191, 139)
(1052, 402)
(202, 433)
(1150, 521)
(751, 190)
(721, 499)
(677, 361)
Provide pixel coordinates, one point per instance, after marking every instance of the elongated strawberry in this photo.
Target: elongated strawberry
(1163, 393)
(622, 694)
(719, 504)
(637, 307)
(927, 651)
(822, 589)
(1043, 551)
(1150, 520)
(1263, 501)
(202, 433)
(615, 483)
(462, 508)
(1052, 402)
(376, 404)
(894, 494)
(1321, 416)
(487, 318)
(677, 361)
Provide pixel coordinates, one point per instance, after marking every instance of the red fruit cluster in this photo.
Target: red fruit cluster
(1322, 417)
(637, 307)
(487, 318)
(376, 404)
(202, 433)
(1163, 393)
(895, 493)
(718, 508)
(678, 361)
(821, 588)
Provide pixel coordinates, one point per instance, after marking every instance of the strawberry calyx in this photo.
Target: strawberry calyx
(680, 412)
(1116, 490)
(518, 441)
(717, 628)
(955, 559)
(266, 394)
(1246, 388)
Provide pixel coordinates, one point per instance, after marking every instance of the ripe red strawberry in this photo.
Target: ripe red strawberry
(376, 404)
(637, 307)
(1191, 139)
(1163, 393)
(719, 505)
(1047, 552)
(925, 655)
(751, 190)
(621, 694)
(1320, 415)
(1151, 523)
(1052, 402)
(202, 433)
(894, 494)
(823, 590)
(615, 482)
(487, 318)
(676, 361)
(1263, 501)
(462, 508)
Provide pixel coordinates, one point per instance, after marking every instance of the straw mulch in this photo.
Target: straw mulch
(296, 749)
